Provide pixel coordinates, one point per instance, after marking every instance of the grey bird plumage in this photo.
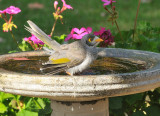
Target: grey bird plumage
(77, 55)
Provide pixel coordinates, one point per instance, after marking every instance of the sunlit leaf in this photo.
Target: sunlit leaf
(3, 108)
(27, 113)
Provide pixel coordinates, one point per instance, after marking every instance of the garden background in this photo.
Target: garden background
(87, 13)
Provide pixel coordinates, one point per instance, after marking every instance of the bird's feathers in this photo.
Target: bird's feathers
(72, 58)
(60, 61)
(35, 30)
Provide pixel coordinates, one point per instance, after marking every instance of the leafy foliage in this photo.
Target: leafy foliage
(142, 104)
(16, 105)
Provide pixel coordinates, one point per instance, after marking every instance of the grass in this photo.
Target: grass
(86, 13)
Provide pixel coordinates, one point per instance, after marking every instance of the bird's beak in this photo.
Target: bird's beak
(99, 40)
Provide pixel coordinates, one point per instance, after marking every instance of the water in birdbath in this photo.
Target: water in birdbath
(105, 65)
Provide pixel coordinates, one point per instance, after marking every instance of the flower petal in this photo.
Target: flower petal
(76, 36)
(107, 3)
(76, 30)
(89, 29)
(85, 33)
(82, 30)
(66, 5)
(2, 11)
(68, 37)
(102, 30)
(55, 4)
(96, 33)
(12, 10)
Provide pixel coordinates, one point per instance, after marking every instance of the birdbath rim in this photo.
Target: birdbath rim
(86, 87)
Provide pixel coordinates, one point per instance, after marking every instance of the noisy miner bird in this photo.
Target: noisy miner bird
(72, 58)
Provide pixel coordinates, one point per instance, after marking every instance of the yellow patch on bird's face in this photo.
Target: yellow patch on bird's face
(89, 39)
(60, 61)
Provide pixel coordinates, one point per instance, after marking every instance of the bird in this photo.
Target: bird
(71, 58)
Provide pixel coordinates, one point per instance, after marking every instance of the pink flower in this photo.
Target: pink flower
(78, 33)
(34, 39)
(27, 39)
(107, 2)
(100, 32)
(66, 5)
(55, 4)
(12, 10)
(2, 11)
(106, 35)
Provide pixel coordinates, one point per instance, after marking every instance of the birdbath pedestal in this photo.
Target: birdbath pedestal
(84, 95)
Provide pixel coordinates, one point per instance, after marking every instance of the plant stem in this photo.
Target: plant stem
(135, 23)
(4, 18)
(118, 29)
(10, 19)
(53, 27)
(115, 22)
(14, 38)
(107, 10)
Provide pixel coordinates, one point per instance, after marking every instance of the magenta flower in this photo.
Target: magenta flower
(66, 5)
(27, 39)
(2, 11)
(106, 35)
(12, 10)
(107, 2)
(34, 39)
(100, 32)
(78, 33)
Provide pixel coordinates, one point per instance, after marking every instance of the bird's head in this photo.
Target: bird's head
(91, 40)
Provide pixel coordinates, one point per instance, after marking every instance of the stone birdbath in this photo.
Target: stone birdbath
(84, 94)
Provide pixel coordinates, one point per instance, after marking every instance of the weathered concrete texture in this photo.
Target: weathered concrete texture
(84, 88)
(91, 108)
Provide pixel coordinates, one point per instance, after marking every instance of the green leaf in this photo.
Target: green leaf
(29, 103)
(14, 51)
(60, 39)
(46, 111)
(115, 103)
(27, 113)
(138, 113)
(3, 108)
(153, 111)
(4, 96)
(41, 103)
(131, 99)
(24, 46)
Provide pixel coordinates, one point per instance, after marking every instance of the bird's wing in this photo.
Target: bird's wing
(35, 30)
(59, 65)
(70, 55)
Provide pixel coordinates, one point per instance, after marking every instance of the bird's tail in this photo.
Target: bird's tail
(35, 30)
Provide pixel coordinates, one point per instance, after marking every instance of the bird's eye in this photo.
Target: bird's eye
(89, 39)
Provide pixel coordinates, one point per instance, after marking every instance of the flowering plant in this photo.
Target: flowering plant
(8, 25)
(58, 11)
(36, 43)
(12, 10)
(106, 35)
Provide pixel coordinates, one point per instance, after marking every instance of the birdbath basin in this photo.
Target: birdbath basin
(117, 72)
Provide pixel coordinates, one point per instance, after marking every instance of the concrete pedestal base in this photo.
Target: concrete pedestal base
(87, 108)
